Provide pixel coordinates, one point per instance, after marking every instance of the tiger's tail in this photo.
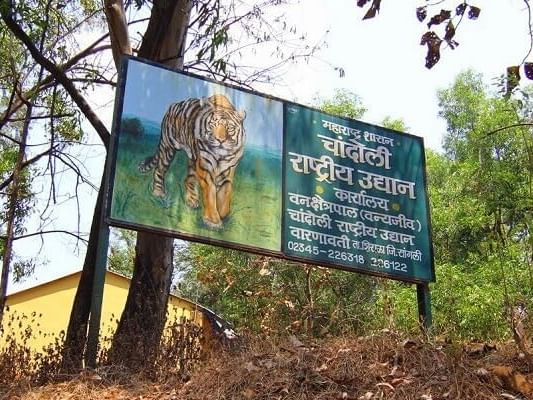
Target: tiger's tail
(148, 164)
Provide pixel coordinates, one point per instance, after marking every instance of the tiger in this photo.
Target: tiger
(211, 132)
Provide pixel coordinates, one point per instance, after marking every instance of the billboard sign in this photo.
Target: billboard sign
(199, 160)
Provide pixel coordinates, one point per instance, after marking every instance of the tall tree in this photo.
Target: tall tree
(31, 98)
(163, 42)
(481, 197)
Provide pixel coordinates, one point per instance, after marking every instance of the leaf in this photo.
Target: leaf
(460, 9)
(473, 12)
(373, 10)
(449, 34)
(433, 43)
(421, 13)
(440, 18)
(513, 78)
(453, 44)
(528, 70)
(450, 31)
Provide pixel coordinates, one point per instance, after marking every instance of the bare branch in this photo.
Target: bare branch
(34, 117)
(47, 232)
(59, 75)
(25, 164)
(9, 138)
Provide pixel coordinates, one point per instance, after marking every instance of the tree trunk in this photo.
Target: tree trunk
(13, 198)
(137, 337)
(138, 334)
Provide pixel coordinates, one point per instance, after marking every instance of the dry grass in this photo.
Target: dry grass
(383, 366)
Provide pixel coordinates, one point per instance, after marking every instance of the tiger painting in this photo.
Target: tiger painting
(211, 132)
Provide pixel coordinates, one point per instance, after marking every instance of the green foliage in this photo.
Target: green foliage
(343, 103)
(481, 200)
(470, 301)
(23, 207)
(461, 106)
(397, 124)
(269, 295)
(122, 251)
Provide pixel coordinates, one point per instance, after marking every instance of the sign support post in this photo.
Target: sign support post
(100, 267)
(423, 297)
(97, 292)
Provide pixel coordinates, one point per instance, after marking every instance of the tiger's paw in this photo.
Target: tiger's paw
(159, 192)
(212, 224)
(144, 166)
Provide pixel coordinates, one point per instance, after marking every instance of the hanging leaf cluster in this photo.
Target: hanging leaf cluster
(447, 20)
(450, 20)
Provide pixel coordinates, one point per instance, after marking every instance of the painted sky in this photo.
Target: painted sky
(150, 90)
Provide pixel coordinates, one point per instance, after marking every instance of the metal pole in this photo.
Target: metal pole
(100, 268)
(424, 305)
(98, 291)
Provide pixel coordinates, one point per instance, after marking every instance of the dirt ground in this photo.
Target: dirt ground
(383, 366)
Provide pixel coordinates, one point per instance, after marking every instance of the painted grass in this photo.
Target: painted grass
(255, 218)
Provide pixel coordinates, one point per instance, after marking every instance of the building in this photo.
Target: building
(38, 315)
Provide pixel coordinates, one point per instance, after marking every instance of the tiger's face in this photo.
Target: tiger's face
(226, 128)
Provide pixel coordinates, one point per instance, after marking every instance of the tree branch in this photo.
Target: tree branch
(47, 232)
(5, 183)
(503, 128)
(48, 80)
(10, 138)
(118, 28)
(60, 76)
(530, 30)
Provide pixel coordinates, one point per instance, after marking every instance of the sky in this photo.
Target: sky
(383, 63)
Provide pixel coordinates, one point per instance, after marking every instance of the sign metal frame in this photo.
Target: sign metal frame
(242, 247)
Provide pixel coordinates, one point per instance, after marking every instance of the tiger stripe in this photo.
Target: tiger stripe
(211, 133)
